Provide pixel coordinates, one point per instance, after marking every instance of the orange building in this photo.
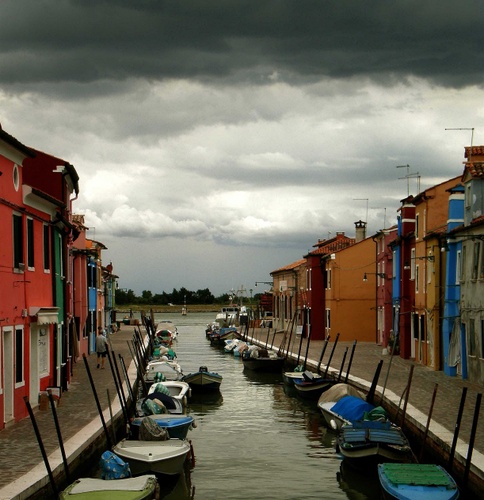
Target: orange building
(349, 304)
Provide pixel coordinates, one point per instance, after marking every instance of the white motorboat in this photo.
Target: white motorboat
(167, 370)
(158, 457)
(228, 316)
(177, 389)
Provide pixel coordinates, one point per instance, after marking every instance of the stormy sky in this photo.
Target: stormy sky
(216, 141)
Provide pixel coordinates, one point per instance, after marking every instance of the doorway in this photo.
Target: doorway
(8, 357)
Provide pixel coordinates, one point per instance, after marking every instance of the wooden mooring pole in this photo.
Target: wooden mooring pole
(41, 446)
(428, 422)
(457, 428)
(472, 439)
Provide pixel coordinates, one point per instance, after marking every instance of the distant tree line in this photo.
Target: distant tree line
(177, 297)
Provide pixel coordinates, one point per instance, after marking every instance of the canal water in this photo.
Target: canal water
(255, 439)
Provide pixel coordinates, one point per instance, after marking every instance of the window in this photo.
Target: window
(471, 340)
(416, 278)
(328, 279)
(30, 244)
(16, 177)
(18, 242)
(458, 266)
(91, 274)
(43, 351)
(412, 264)
(46, 248)
(462, 270)
(19, 356)
(475, 260)
(430, 270)
(328, 319)
(481, 264)
(416, 226)
(482, 339)
(468, 197)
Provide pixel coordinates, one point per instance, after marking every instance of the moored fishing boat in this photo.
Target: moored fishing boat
(177, 426)
(159, 371)
(416, 482)
(262, 360)
(177, 389)
(228, 316)
(220, 336)
(297, 373)
(133, 488)
(346, 411)
(203, 380)
(311, 386)
(366, 444)
(159, 457)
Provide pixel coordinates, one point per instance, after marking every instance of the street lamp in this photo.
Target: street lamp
(263, 283)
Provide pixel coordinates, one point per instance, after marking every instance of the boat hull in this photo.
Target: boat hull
(332, 419)
(367, 444)
(312, 389)
(158, 457)
(177, 426)
(133, 488)
(416, 482)
(273, 365)
(203, 381)
(177, 389)
(289, 377)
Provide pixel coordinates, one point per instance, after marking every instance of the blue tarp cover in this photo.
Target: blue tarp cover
(352, 408)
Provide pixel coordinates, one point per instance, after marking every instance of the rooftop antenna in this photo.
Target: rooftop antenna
(472, 137)
(416, 174)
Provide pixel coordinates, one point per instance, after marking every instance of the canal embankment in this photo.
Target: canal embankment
(24, 473)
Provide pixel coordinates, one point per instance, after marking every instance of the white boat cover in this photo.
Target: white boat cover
(338, 391)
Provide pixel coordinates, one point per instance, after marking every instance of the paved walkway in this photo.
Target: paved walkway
(21, 460)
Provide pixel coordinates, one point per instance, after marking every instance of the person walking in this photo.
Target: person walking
(101, 350)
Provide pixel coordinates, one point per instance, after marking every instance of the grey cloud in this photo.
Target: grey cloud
(52, 41)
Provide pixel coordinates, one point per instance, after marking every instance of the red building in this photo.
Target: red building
(36, 285)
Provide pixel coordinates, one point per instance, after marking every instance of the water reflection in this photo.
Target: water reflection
(356, 485)
(207, 402)
(262, 378)
(178, 487)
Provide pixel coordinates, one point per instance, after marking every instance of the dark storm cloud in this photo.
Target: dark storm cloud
(84, 41)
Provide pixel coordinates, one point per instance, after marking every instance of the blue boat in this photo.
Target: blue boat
(311, 386)
(416, 482)
(177, 426)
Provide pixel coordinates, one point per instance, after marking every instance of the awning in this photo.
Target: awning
(45, 315)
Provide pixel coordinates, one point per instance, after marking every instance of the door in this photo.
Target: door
(8, 374)
(34, 366)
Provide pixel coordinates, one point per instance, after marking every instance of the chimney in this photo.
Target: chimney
(360, 230)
